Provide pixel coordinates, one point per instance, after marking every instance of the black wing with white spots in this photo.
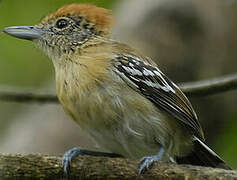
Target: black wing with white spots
(155, 86)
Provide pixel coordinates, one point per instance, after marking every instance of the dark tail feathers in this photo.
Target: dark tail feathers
(202, 155)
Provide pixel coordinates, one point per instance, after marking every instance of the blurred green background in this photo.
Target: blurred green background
(190, 40)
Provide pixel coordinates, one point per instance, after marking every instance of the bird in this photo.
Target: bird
(119, 96)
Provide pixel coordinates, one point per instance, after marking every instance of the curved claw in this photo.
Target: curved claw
(147, 161)
(145, 164)
(67, 158)
(77, 151)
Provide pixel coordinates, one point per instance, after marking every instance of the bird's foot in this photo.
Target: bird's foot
(77, 151)
(147, 161)
(145, 164)
(67, 158)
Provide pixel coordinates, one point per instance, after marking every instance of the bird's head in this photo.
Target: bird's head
(66, 29)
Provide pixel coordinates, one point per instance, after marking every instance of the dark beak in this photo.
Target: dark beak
(24, 32)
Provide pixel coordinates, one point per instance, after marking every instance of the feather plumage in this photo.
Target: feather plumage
(155, 86)
(100, 17)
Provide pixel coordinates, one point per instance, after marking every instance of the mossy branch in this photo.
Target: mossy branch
(42, 167)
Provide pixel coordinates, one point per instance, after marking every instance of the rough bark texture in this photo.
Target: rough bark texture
(42, 167)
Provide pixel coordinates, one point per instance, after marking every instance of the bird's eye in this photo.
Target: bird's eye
(62, 23)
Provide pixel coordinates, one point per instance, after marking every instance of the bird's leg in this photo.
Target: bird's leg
(147, 161)
(77, 151)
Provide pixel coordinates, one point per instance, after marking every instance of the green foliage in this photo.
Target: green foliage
(227, 143)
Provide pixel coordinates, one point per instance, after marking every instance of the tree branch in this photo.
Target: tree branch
(25, 97)
(211, 86)
(198, 88)
(36, 166)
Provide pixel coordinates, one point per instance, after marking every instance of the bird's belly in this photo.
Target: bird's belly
(127, 125)
(132, 135)
(125, 143)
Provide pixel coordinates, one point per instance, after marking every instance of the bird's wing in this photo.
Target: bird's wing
(148, 80)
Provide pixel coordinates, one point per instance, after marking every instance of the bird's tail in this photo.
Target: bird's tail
(202, 155)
